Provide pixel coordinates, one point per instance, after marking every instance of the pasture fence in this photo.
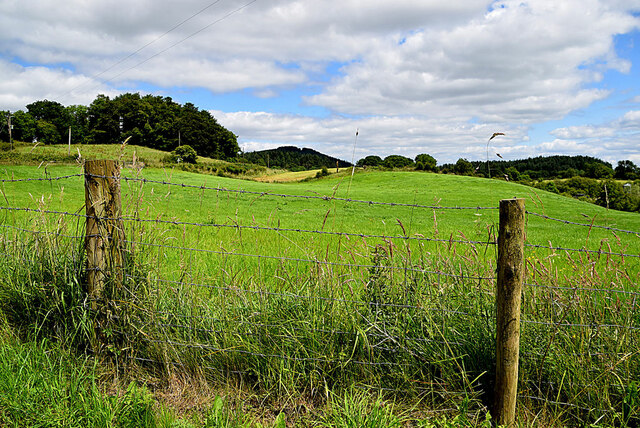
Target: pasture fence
(319, 307)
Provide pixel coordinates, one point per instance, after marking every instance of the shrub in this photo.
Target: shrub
(322, 173)
(425, 162)
(186, 154)
(396, 161)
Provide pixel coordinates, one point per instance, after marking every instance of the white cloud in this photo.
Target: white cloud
(416, 76)
(612, 141)
(526, 62)
(408, 136)
(20, 86)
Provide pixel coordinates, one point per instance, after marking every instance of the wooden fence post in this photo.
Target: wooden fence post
(104, 238)
(508, 298)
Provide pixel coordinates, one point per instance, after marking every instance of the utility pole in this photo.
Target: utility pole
(9, 125)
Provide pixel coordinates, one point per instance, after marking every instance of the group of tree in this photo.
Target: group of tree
(150, 121)
(608, 193)
(422, 162)
(582, 177)
(537, 168)
(294, 159)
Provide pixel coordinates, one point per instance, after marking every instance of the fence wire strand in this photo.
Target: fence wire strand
(383, 348)
(546, 217)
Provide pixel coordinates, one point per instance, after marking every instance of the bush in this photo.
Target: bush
(463, 167)
(322, 173)
(186, 154)
(425, 162)
(397, 161)
(370, 160)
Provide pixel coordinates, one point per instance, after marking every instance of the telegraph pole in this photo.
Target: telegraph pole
(9, 126)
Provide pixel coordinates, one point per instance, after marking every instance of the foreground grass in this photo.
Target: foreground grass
(43, 385)
(409, 322)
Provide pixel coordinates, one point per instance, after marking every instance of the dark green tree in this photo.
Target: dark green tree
(79, 123)
(53, 113)
(46, 132)
(24, 126)
(598, 170)
(370, 160)
(627, 170)
(104, 125)
(463, 167)
(396, 161)
(513, 174)
(185, 154)
(426, 162)
(612, 195)
(4, 130)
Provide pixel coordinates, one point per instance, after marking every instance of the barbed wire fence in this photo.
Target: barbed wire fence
(280, 306)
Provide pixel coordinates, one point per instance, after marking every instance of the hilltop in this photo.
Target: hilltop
(294, 159)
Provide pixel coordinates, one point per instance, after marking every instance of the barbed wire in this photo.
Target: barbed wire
(282, 336)
(316, 261)
(62, 177)
(319, 232)
(284, 195)
(581, 325)
(603, 290)
(581, 250)
(279, 356)
(351, 234)
(307, 330)
(175, 363)
(42, 211)
(560, 403)
(255, 227)
(40, 232)
(546, 217)
(574, 354)
(299, 296)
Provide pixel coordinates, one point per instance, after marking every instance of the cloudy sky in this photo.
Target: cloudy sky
(413, 76)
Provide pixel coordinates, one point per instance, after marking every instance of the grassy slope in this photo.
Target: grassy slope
(399, 187)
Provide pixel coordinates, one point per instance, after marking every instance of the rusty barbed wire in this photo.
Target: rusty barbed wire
(546, 217)
(581, 325)
(297, 296)
(580, 250)
(284, 195)
(18, 180)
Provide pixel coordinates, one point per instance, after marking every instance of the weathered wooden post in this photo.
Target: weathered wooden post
(508, 298)
(104, 238)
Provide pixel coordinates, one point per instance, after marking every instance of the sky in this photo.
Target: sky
(410, 76)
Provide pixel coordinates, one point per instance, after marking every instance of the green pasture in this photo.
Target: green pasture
(310, 296)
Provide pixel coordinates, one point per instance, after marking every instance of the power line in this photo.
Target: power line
(233, 12)
(112, 66)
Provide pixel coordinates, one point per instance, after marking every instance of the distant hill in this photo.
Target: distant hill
(294, 159)
(540, 167)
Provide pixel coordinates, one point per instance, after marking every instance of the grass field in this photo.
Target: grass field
(296, 301)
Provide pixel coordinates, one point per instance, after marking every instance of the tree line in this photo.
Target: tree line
(151, 121)
(294, 159)
(581, 177)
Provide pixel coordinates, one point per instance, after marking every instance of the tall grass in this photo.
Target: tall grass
(306, 318)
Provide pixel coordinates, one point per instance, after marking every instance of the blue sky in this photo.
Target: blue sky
(413, 77)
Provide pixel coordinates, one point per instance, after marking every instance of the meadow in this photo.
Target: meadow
(331, 298)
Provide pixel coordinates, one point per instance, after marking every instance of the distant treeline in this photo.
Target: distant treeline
(150, 121)
(293, 158)
(581, 177)
(531, 169)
